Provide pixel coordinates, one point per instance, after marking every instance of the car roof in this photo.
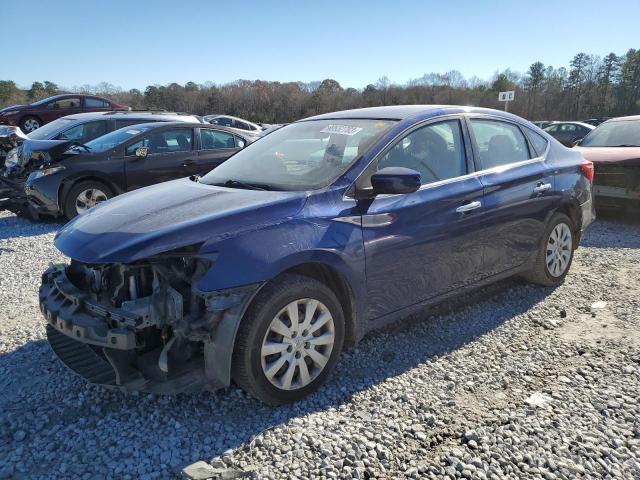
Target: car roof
(131, 115)
(402, 112)
(621, 119)
(207, 126)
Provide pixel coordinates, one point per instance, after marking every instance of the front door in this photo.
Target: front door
(169, 156)
(423, 244)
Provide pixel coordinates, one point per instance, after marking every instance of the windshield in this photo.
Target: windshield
(625, 133)
(301, 156)
(115, 138)
(51, 129)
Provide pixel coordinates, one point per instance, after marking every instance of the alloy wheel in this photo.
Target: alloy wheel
(89, 198)
(558, 252)
(298, 344)
(31, 124)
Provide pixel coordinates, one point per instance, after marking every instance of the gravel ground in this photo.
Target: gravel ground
(517, 382)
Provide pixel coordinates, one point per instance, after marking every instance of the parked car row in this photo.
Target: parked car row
(45, 170)
(568, 133)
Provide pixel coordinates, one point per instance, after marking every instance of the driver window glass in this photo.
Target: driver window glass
(499, 143)
(65, 103)
(131, 149)
(436, 151)
(169, 141)
(85, 132)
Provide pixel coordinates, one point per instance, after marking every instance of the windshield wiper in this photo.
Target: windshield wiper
(248, 186)
(627, 145)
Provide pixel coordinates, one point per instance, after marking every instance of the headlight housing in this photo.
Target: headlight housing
(45, 172)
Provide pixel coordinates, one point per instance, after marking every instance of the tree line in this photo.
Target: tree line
(591, 86)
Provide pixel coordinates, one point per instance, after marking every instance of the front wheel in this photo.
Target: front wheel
(85, 195)
(289, 340)
(29, 124)
(555, 254)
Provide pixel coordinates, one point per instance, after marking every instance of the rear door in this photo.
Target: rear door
(170, 153)
(424, 244)
(215, 146)
(518, 191)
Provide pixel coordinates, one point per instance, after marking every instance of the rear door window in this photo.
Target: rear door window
(538, 141)
(215, 139)
(96, 103)
(498, 143)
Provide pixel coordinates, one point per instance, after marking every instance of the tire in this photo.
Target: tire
(30, 123)
(251, 362)
(544, 271)
(71, 204)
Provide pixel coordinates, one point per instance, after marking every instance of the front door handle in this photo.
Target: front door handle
(467, 207)
(542, 187)
(187, 163)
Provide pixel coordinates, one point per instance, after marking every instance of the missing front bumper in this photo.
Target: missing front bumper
(109, 346)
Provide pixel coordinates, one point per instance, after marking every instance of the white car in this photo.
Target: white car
(244, 126)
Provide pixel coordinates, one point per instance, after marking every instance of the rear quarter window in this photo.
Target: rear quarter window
(538, 142)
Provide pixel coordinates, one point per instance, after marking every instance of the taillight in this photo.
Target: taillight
(587, 169)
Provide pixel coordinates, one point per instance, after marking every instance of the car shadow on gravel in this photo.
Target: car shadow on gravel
(12, 226)
(47, 403)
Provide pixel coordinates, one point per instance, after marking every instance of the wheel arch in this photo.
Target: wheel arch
(339, 285)
(571, 210)
(67, 184)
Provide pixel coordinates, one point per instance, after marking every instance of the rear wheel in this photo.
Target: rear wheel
(30, 123)
(289, 340)
(555, 254)
(85, 195)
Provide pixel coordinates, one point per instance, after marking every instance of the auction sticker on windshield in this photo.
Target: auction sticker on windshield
(341, 129)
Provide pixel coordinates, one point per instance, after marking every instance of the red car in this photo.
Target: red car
(32, 116)
(614, 149)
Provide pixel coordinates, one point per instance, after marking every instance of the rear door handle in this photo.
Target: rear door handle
(467, 207)
(542, 187)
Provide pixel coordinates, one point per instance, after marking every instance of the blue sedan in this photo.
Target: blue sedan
(263, 270)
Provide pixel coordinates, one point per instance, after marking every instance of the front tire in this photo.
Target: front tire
(555, 253)
(30, 123)
(85, 195)
(289, 340)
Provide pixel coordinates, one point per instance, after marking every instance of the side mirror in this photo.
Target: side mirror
(395, 180)
(576, 141)
(142, 152)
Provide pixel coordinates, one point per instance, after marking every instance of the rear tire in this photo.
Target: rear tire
(279, 359)
(555, 254)
(30, 123)
(85, 195)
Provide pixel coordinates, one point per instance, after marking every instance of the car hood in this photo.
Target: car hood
(12, 108)
(624, 156)
(171, 215)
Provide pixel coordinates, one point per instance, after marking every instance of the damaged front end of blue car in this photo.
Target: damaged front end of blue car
(143, 326)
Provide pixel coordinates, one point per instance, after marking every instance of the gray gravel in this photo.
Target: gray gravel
(518, 382)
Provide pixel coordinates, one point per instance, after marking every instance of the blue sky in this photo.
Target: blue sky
(135, 43)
